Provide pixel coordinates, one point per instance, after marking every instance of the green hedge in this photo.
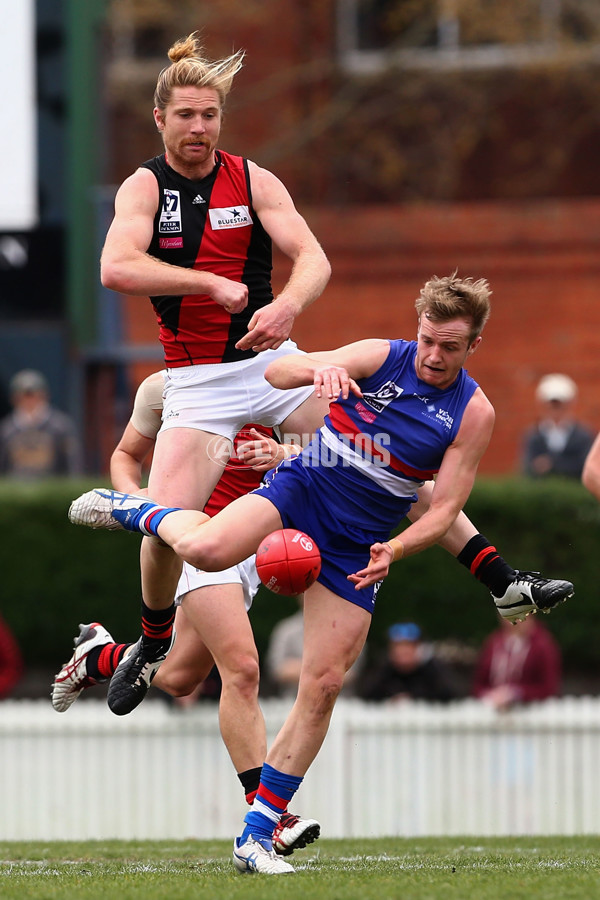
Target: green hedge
(55, 575)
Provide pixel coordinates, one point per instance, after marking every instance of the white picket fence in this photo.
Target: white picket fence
(412, 769)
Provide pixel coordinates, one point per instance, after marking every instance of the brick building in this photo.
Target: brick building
(404, 169)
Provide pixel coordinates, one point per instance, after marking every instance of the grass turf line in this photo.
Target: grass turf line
(555, 868)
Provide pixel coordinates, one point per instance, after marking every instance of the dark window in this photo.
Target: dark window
(374, 34)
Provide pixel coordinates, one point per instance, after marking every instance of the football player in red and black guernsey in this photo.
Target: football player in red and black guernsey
(193, 230)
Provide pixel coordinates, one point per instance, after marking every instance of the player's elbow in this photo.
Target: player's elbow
(325, 270)
(586, 480)
(113, 278)
(440, 521)
(110, 275)
(117, 275)
(271, 373)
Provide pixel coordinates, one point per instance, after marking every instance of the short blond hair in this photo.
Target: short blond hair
(451, 297)
(190, 68)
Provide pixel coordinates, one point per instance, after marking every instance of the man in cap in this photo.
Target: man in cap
(410, 670)
(558, 444)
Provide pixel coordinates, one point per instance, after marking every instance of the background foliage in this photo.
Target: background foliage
(55, 575)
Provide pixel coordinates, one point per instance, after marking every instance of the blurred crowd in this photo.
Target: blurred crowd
(516, 664)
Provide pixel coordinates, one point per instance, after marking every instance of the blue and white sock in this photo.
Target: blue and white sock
(274, 793)
(145, 519)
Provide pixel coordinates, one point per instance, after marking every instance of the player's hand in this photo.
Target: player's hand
(268, 328)
(334, 382)
(261, 453)
(377, 569)
(231, 295)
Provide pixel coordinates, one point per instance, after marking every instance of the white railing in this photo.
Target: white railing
(413, 769)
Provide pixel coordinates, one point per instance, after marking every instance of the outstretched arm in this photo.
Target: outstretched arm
(452, 488)
(139, 436)
(333, 372)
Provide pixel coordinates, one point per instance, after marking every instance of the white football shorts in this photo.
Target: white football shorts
(244, 573)
(224, 397)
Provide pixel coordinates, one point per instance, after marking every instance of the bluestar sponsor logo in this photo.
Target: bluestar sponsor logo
(230, 217)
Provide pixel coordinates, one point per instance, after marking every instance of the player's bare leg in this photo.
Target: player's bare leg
(189, 663)
(184, 473)
(210, 544)
(306, 419)
(217, 614)
(334, 634)
(225, 540)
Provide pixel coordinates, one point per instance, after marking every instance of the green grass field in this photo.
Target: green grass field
(552, 868)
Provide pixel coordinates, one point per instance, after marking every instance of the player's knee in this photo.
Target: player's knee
(179, 683)
(202, 552)
(243, 676)
(322, 691)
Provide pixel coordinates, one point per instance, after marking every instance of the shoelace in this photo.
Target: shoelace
(288, 820)
(533, 578)
(152, 649)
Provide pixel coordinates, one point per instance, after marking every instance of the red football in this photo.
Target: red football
(288, 561)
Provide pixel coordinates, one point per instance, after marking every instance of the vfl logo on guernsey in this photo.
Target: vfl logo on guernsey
(234, 217)
(170, 213)
(383, 396)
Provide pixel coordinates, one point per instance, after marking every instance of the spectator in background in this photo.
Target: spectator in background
(518, 663)
(11, 662)
(558, 444)
(36, 440)
(410, 670)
